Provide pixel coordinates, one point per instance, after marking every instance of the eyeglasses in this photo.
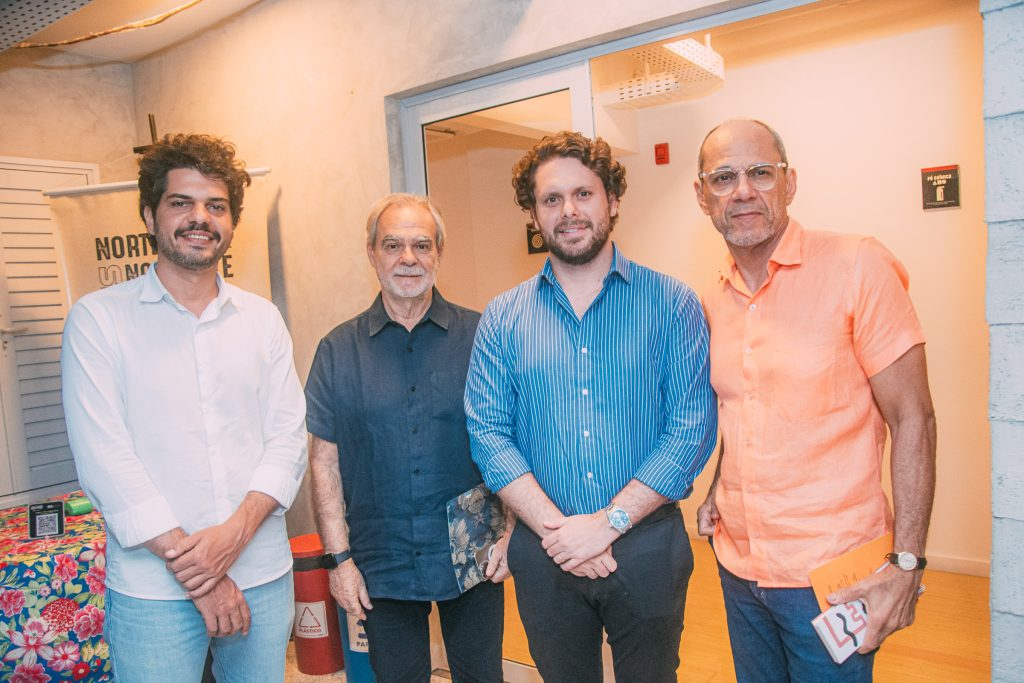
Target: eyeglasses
(762, 177)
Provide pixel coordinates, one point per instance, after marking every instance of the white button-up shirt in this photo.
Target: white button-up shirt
(173, 419)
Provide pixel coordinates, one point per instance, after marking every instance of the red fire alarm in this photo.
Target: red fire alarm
(661, 153)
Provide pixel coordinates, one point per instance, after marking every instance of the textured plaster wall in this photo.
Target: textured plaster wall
(300, 87)
(63, 107)
(1004, 157)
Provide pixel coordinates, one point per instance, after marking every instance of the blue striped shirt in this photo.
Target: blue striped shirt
(588, 404)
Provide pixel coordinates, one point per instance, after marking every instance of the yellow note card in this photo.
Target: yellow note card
(849, 568)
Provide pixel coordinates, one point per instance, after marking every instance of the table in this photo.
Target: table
(52, 602)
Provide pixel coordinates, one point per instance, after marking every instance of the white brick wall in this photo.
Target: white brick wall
(1004, 195)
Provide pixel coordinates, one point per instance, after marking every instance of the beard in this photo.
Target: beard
(400, 289)
(582, 251)
(167, 247)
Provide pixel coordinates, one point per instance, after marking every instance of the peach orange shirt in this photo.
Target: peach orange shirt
(801, 476)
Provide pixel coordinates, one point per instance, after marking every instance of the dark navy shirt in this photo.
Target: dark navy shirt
(392, 401)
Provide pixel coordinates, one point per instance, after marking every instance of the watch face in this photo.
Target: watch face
(328, 561)
(619, 519)
(906, 561)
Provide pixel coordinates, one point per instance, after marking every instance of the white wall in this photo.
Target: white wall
(861, 112)
(471, 180)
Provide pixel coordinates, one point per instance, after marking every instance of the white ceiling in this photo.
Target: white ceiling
(130, 46)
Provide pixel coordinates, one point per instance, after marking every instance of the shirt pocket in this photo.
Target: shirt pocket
(447, 387)
(803, 382)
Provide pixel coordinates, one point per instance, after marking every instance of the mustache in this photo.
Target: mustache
(197, 227)
(570, 223)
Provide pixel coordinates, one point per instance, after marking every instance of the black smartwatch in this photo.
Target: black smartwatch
(333, 560)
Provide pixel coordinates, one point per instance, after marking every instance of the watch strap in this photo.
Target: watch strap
(332, 560)
(894, 558)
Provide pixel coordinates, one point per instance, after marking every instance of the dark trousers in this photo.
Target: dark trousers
(471, 624)
(640, 605)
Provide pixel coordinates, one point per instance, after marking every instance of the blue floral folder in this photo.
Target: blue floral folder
(476, 520)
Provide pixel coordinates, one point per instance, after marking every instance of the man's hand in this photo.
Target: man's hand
(224, 609)
(576, 539)
(707, 515)
(497, 566)
(597, 567)
(890, 597)
(200, 560)
(349, 589)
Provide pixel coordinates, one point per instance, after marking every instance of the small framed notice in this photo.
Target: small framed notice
(46, 519)
(940, 187)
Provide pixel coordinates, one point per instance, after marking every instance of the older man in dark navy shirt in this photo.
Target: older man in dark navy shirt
(389, 448)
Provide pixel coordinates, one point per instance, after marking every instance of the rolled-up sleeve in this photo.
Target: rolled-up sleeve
(691, 412)
(108, 467)
(280, 470)
(490, 402)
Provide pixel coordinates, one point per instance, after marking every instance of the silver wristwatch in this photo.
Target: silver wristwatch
(618, 518)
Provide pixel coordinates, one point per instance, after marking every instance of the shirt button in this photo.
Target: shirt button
(753, 307)
(748, 350)
(416, 471)
(418, 553)
(409, 349)
(412, 389)
(585, 392)
(590, 475)
(586, 433)
(415, 430)
(583, 350)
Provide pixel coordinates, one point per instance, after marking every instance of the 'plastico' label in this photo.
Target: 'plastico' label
(310, 620)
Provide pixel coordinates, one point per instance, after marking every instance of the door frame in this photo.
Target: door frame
(408, 110)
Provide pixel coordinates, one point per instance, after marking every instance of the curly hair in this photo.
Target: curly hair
(594, 154)
(211, 156)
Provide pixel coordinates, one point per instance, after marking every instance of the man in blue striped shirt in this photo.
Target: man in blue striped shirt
(590, 411)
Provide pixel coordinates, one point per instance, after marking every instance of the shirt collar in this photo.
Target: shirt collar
(440, 313)
(153, 290)
(788, 252)
(621, 266)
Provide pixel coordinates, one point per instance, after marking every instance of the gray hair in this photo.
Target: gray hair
(779, 146)
(404, 199)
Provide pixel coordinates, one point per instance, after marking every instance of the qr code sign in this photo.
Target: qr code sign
(47, 524)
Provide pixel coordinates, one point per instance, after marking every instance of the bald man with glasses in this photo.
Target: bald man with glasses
(815, 351)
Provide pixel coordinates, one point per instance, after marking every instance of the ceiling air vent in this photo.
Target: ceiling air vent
(20, 19)
(671, 72)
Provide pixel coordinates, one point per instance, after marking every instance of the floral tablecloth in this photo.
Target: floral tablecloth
(51, 601)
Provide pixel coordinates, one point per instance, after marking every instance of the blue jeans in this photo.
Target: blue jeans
(773, 640)
(152, 641)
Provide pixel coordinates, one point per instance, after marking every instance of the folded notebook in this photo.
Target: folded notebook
(476, 520)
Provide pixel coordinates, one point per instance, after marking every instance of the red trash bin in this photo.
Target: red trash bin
(316, 633)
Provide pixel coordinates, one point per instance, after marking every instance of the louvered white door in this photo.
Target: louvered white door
(34, 451)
